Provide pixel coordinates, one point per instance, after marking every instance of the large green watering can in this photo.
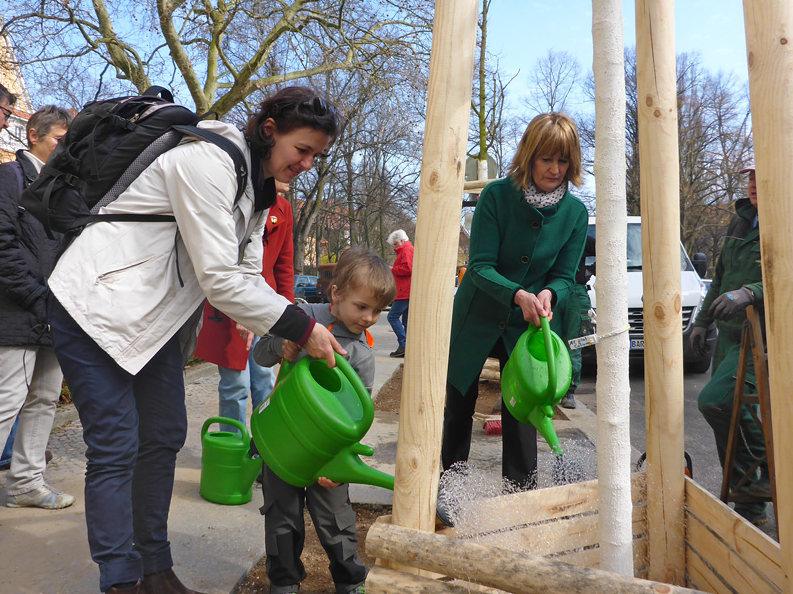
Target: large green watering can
(535, 378)
(311, 424)
(227, 469)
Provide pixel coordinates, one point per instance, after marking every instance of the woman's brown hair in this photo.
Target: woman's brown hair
(546, 135)
(291, 108)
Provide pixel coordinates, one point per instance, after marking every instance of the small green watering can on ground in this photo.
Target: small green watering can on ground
(535, 378)
(311, 424)
(227, 469)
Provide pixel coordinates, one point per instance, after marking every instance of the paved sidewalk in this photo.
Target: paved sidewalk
(214, 546)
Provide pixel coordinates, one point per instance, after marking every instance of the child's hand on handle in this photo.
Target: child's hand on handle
(322, 344)
(327, 483)
(291, 350)
(534, 306)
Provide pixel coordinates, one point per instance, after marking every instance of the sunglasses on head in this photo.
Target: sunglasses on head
(319, 106)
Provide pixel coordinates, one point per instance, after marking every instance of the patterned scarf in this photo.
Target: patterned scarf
(540, 199)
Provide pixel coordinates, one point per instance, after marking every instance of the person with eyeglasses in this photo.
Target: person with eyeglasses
(128, 302)
(30, 378)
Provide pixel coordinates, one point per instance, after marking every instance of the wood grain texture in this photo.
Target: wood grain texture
(663, 345)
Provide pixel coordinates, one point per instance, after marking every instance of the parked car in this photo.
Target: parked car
(325, 272)
(693, 291)
(306, 288)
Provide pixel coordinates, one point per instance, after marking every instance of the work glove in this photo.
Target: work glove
(699, 342)
(728, 304)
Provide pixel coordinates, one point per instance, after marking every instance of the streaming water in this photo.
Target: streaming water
(466, 486)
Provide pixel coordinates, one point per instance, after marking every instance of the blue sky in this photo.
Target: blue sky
(521, 31)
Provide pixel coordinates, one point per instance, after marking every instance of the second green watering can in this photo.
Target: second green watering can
(311, 424)
(535, 378)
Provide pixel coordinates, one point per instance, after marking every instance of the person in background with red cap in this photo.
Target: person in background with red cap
(737, 283)
(228, 344)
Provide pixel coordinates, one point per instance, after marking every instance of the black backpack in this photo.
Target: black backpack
(107, 146)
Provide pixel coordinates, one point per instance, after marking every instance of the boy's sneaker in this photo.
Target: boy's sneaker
(359, 590)
(400, 352)
(292, 589)
(44, 497)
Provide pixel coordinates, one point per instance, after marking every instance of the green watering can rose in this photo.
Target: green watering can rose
(312, 423)
(535, 378)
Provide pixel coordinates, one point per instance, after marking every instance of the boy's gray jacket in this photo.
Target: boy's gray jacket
(120, 280)
(269, 350)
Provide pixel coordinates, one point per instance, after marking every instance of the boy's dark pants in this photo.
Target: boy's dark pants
(285, 532)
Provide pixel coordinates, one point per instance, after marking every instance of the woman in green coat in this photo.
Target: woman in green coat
(527, 238)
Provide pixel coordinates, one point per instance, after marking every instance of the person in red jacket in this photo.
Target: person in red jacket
(229, 345)
(402, 270)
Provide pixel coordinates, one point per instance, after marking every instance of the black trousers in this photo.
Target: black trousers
(519, 440)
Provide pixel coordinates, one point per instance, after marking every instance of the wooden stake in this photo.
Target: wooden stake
(663, 345)
(500, 568)
(769, 47)
(613, 382)
(432, 289)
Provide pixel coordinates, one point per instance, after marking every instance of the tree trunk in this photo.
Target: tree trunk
(613, 382)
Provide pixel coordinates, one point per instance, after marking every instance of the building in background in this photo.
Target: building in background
(11, 79)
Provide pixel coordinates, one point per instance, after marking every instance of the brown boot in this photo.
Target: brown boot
(164, 582)
(136, 589)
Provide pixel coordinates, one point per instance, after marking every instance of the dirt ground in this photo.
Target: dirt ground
(314, 558)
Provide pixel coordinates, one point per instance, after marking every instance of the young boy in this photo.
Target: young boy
(362, 286)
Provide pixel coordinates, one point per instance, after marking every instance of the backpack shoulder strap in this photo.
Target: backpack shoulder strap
(233, 151)
(17, 166)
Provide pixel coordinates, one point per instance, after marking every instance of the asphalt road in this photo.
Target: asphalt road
(699, 440)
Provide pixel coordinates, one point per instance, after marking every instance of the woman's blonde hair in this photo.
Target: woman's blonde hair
(548, 134)
(358, 267)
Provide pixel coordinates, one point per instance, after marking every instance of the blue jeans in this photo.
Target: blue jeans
(398, 318)
(133, 426)
(8, 450)
(235, 385)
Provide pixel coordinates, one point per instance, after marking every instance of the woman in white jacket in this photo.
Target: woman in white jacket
(128, 299)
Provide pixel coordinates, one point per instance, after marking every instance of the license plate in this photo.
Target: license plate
(637, 343)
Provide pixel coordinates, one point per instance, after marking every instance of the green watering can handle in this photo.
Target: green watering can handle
(550, 392)
(246, 438)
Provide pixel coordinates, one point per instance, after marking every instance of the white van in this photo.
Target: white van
(692, 291)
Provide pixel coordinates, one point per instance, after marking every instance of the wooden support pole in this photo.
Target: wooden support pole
(500, 568)
(769, 46)
(387, 581)
(663, 345)
(437, 236)
(613, 381)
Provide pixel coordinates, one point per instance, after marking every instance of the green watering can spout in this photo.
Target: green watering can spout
(535, 378)
(312, 424)
(347, 467)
